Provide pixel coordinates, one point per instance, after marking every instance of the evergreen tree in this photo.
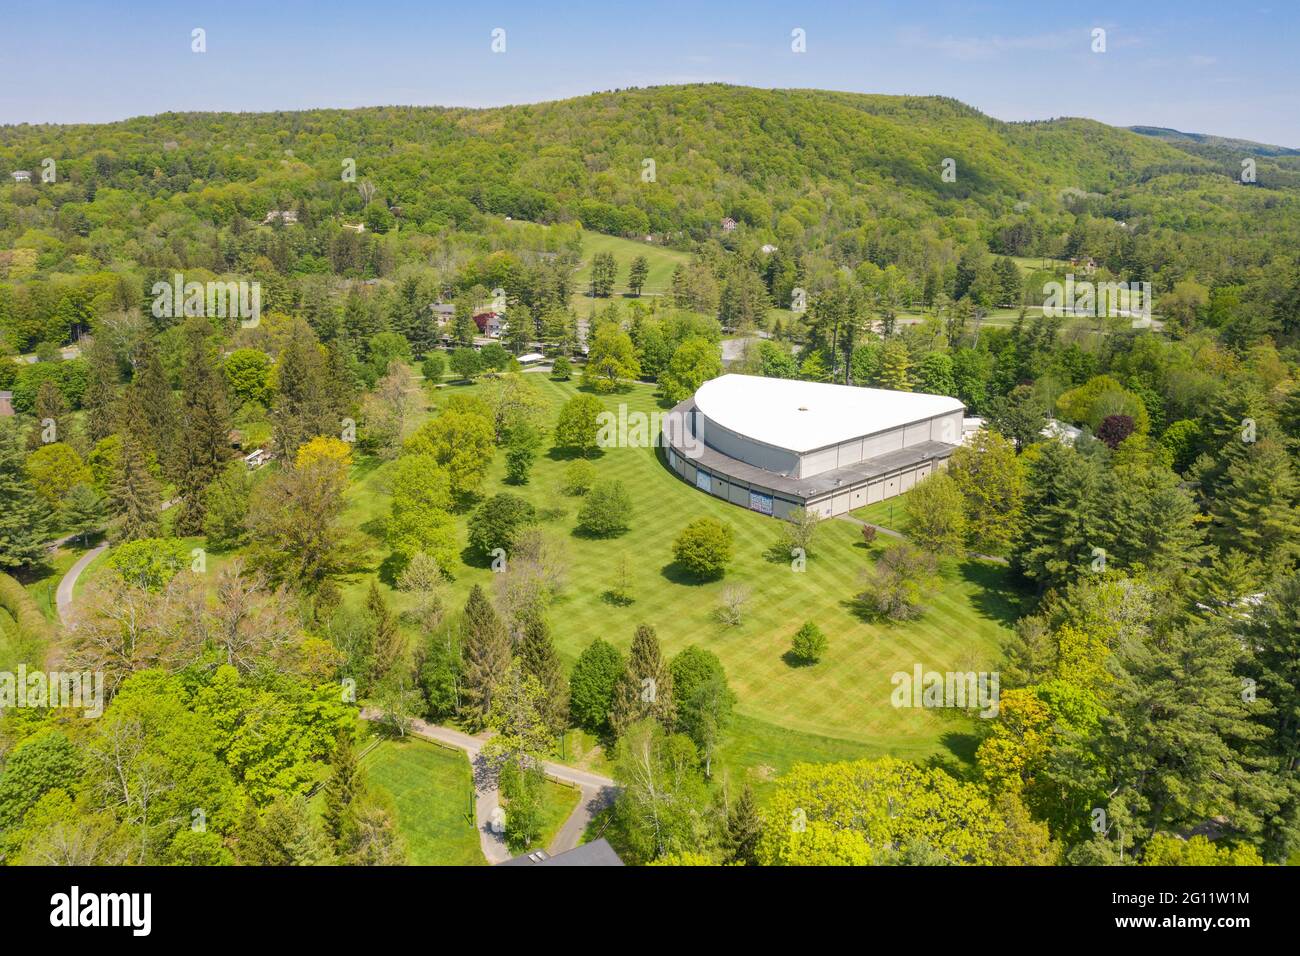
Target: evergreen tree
(83, 510)
(486, 649)
(306, 403)
(1274, 636)
(133, 496)
(388, 643)
(1148, 519)
(895, 367)
(1062, 516)
(283, 835)
(1257, 510)
(537, 652)
(149, 409)
(744, 827)
(204, 425)
(344, 792)
(100, 398)
(51, 413)
(24, 515)
(646, 688)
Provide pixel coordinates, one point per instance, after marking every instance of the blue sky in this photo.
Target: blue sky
(1214, 67)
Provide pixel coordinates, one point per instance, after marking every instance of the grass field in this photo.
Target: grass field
(662, 262)
(834, 709)
(430, 787)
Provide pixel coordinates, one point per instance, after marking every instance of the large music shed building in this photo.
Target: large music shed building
(772, 444)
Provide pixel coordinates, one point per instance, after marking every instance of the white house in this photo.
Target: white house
(22, 176)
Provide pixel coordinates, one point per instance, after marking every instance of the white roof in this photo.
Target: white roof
(802, 416)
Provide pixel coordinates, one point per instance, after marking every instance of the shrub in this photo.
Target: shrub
(704, 547)
(606, 511)
(561, 370)
(809, 643)
(579, 477)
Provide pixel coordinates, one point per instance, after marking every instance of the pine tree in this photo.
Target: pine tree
(646, 688)
(1150, 520)
(1062, 516)
(343, 794)
(149, 409)
(744, 826)
(1274, 632)
(486, 650)
(133, 496)
(537, 652)
(24, 516)
(895, 367)
(284, 835)
(51, 412)
(388, 643)
(83, 510)
(205, 426)
(1256, 512)
(100, 398)
(304, 406)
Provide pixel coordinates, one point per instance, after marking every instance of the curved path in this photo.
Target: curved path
(63, 597)
(597, 791)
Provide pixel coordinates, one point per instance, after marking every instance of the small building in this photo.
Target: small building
(970, 425)
(728, 224)
(355, 226)
(443, 312)
(595, 853)
(286, 217)
(489, 323)
(21, 176)
(1063, 432)
(531, 358)
(256, 458)
(767, 248)
(6, 404)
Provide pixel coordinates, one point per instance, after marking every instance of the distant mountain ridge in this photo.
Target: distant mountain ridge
(1178, 138)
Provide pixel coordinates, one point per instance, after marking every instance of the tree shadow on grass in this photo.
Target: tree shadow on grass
(999, 598)
(676, 573)
(390, 569)
(617, 600)
(960, 757)
(796, 662)
(558, 453)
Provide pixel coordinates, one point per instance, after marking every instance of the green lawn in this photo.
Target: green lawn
(836, 708)
(662, 262)
(430, 787)
(890, 513)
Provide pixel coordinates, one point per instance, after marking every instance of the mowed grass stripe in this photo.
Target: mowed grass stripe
(845, 697)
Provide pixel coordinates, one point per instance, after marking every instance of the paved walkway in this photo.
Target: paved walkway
(63, 597)
(890, 532)
(597, 791)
